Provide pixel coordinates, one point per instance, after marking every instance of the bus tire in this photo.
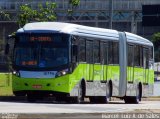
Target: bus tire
(98, 99)
(134, 99)
(81, 93)
(102, 99)
(108, 93)
(19, 94)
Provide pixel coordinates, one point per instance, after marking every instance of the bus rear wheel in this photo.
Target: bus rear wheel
(108, 93)
(134, 99)
(98, 99)
(102, 99)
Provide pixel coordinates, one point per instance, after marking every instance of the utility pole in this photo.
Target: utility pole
(134, 23)
(110, 13)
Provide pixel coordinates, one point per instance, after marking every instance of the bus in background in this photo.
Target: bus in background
(69, 61)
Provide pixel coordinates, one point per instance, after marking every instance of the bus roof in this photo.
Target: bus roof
(74, 29)
(133, 38)
(69, 28)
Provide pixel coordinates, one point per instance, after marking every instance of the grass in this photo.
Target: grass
(5, 84)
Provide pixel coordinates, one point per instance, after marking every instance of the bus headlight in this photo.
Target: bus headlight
(62, 73)
(16, 73)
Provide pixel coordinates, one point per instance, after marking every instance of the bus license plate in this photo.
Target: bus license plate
(37, 86)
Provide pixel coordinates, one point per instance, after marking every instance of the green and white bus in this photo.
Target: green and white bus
(69, 61)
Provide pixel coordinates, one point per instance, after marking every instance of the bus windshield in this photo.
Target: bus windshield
(41, 54)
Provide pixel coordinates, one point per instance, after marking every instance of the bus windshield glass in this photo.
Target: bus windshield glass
(42, 52)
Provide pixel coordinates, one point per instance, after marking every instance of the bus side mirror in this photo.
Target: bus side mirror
(7, 47)
(75, 50)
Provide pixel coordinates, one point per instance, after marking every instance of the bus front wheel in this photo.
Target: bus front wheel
(81, 93)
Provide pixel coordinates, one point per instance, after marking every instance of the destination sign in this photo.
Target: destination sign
(40, 39)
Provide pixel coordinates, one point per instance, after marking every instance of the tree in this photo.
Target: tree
(4, 15)
(156, 42)
(156, 39)
(74, 3)
(42, 13)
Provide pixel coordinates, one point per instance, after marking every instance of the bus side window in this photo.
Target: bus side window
(137, 56)
(74, 43)
(89, 51)
(102, 53)
(147, 61)
(82, 50)
(110, 52)
(151, 60)
(96, 51)
(115, 53)
(105, 53)
(141, 57)
(146, 58)
(130, 55)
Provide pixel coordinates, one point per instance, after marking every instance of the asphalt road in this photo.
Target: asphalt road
(43, 110)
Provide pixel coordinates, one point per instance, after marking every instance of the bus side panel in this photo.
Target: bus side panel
(109, 73)
(113, 74)
(138, 76)
(115, 79)
(105, 70)
(99, 85)
(130, 71)
(148, 88)
(75, 78)
(95, 86)
(151, 76)
(97, 72)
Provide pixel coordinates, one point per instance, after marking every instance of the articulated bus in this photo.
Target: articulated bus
(69, 61)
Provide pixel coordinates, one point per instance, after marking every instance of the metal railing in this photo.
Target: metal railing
(3, 59)
(84, 4)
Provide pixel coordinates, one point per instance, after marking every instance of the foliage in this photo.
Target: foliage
(156, 42)
(4, 15)
(42, 13)
(156, 39)
(74, 3)
(157, 55)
